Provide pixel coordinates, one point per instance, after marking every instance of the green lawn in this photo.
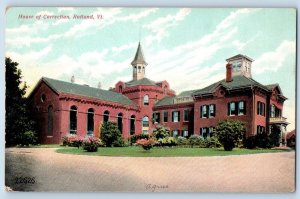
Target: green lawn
(165, 152)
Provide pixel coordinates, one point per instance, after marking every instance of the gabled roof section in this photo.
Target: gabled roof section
(238, 82)
(143, 81)
(82, 90)
(169, 100)
(272, 86)
(139, 56)
(186, 93)
(238, 57)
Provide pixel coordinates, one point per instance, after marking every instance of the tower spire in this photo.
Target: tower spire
(139, 64)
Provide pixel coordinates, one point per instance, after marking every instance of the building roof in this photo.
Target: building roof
(237, 82)
(83, 90)
(186, 93)
(290, 134)
(165, 101)
(239, 56)
(143, 81)
(139, 56)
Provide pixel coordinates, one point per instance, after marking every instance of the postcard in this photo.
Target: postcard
(115, 99)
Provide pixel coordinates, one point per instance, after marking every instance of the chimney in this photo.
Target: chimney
(99, 85)
(228, 72)
(73, 79)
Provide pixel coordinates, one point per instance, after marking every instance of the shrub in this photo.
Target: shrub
(213, 142)
(72, 140)
(194, 140)
(110, 133)
(182, 141)
(147, 144)
(118, 143)
(91, 144)
(250, 142)
(229, 132)
(160, 132)
(134, 138)
(274, 136)
(28, 138)
(167, 141)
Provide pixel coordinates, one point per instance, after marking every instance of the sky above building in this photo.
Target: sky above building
(185, 46)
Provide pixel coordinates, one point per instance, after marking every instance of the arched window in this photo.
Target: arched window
(90, 122)
(73, 120)
(50, 121)
(132, 125)
(145, 121)
(120, 89)
(165, 90)
(120, 123)
(135, 69)
(146, 100)
(139, 69)
(105, 116)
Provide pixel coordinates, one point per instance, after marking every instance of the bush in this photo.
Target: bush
(182, 141)
(91, 144)
(213, 142)
(250, 142)
(229, 133)
(134, 138)
(160, 132)
(110, 133)
(118, 143)
(147, 144)
(167, 141)
(194, 140)
(72, 140)
(28, 138)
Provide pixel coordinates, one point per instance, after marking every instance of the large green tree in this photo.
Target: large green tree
(17, 116)
(110, 134)
(229, 133)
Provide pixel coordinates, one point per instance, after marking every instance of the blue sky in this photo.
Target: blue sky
(187, 47)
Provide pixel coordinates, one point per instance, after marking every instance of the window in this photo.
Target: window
(212, 108)
(175, 116)
(145, 121)
(50, 121)
(132, 125)
(261, 108)
(135, 69)
(242, 108)
(120, 122)
(185, 133)
(139, 69)
(208, 111)
(156, 117)
(211, 131)
(120, 89)
(186, 115)
(146, 100)
(165, 116)
(203, 111)
(203, 132)
(260, 129)
(43, 98)
(175, 133)
(272, 111)
(236, 108)
(106, 116)
(90, 122)
(73, 120)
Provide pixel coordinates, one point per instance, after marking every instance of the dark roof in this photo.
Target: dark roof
(139, 56)
(290, 134)
(239, 56)
(186, 93)
(165, 101)
(82, 90)
(236, 83)
(144, 81)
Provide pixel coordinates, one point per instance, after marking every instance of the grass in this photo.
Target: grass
(165, 152)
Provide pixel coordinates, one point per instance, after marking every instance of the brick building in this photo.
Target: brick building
(139, 105)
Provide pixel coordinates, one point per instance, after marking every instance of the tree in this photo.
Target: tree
(110, 134)
(229, 133)
(17, 114)
(160, 132)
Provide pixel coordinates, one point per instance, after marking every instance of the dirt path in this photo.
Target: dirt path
(270, 172)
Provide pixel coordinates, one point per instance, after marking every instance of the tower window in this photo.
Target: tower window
(120, 88)
(139, 69)
(146, 100)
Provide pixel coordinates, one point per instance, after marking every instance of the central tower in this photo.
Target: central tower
(138, 64)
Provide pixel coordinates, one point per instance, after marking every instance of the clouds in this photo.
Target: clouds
(273, 60)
